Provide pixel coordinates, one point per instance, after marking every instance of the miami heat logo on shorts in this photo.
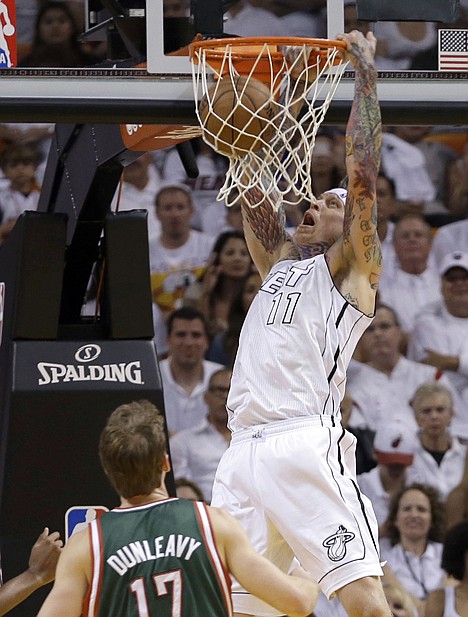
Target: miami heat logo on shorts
(336, 543)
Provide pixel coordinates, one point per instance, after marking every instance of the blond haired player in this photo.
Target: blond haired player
(289, 473)
(160, 556)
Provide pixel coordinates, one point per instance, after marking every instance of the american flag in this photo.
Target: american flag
(453, 50)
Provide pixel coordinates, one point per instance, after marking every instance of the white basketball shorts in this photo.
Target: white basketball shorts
(292, 485)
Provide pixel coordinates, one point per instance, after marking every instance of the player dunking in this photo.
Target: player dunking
(160, 556)
(289, 473)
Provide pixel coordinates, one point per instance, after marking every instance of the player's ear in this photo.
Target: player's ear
(166, 466)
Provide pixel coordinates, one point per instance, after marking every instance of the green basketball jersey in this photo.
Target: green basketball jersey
(157, 560)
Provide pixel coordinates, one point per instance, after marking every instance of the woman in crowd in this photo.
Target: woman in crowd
(223, 348)
(56, 41)
(413, 548)
(222, 281)
(439, 456)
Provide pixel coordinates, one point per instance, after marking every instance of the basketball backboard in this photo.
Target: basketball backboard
(419, 95)
(162, 92)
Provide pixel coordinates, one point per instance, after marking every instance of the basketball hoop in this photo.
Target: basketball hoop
(302, 75)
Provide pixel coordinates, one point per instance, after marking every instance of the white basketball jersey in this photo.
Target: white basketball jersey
(295, 346)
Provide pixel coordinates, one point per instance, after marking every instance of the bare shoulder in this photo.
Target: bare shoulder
(227, 533)
(225, 526)
(78, 539)
(78, 549)
(219, 516)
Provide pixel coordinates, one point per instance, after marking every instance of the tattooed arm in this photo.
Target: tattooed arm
(265, 232)
(361, 246)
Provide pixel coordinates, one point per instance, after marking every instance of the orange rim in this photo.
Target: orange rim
(244, 41)
(259, 55)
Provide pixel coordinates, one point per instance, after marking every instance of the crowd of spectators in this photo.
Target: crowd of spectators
(407, 392)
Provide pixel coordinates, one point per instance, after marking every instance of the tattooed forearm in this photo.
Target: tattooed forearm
(267, 225)
(364, 125)
(363, 145)
(364, 131)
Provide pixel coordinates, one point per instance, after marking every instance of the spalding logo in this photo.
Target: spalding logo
(87, 353)
(123, 372)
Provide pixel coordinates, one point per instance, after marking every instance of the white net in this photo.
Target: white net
(302, 80)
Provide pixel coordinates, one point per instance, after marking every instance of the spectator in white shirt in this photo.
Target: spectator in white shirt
(413, 549)
(384, 386)
(19, 163)
(185, 373)
(243, 19)
(400, 41)
(394, 447)
(141, 182)
(299, 17)
(209, 215)
(179, 255)
(438, 157)
(440, 334)
(413, 283)
(439, 458)
(196, 451)
(407, 167)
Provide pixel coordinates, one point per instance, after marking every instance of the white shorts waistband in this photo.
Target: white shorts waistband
(260, 432)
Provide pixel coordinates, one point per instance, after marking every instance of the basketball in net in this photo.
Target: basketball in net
(267, 131)
(236, 115)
